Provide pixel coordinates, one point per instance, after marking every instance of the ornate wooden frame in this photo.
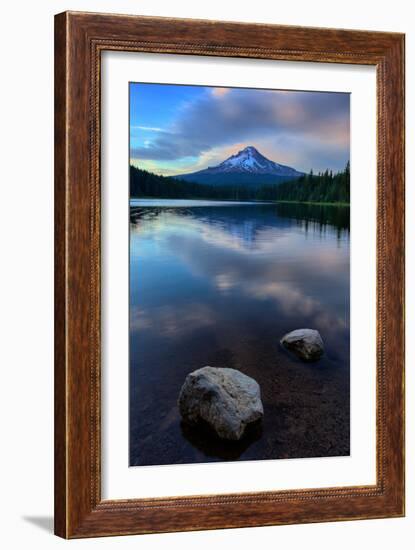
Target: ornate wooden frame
(79, 40)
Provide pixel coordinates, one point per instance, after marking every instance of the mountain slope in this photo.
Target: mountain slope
(247, 167)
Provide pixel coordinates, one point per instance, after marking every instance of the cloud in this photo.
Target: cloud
(220, 92)
(226, 116)
(148, 128)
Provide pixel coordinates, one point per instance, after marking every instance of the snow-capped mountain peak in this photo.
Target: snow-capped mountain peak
(250, 160)
(247, 167)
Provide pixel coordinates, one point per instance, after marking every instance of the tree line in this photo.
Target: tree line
(321, 187)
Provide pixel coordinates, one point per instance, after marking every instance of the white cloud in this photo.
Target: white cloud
(148, 128)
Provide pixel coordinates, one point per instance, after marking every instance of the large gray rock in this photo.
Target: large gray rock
(306, 343)
(226, 399)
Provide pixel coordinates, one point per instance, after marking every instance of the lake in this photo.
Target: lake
(219, 283)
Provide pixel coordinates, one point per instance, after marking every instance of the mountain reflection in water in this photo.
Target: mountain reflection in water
(219, 284)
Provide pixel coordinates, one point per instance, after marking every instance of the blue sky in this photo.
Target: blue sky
(179, 129)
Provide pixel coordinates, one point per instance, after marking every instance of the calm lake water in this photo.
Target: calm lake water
(219, 283)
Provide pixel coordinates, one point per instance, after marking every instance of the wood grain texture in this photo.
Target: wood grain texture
(60, 278)
(79, 40)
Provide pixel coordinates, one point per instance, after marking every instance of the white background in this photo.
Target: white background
(26, 347)
(119, 481)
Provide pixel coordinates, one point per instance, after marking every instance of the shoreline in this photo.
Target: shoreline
(342, 204)
(339, 204)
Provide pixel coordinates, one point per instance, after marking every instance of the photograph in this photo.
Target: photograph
(239, 274)
(207, 274)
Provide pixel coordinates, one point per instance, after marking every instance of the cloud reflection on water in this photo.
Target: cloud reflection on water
(260, 259)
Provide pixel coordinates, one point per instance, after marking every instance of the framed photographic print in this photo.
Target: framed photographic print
(229, 277)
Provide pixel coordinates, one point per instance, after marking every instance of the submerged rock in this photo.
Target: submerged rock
(306, 343)
(226, 399)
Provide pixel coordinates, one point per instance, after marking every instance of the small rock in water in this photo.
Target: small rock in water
(306, 343)
(226, 399)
